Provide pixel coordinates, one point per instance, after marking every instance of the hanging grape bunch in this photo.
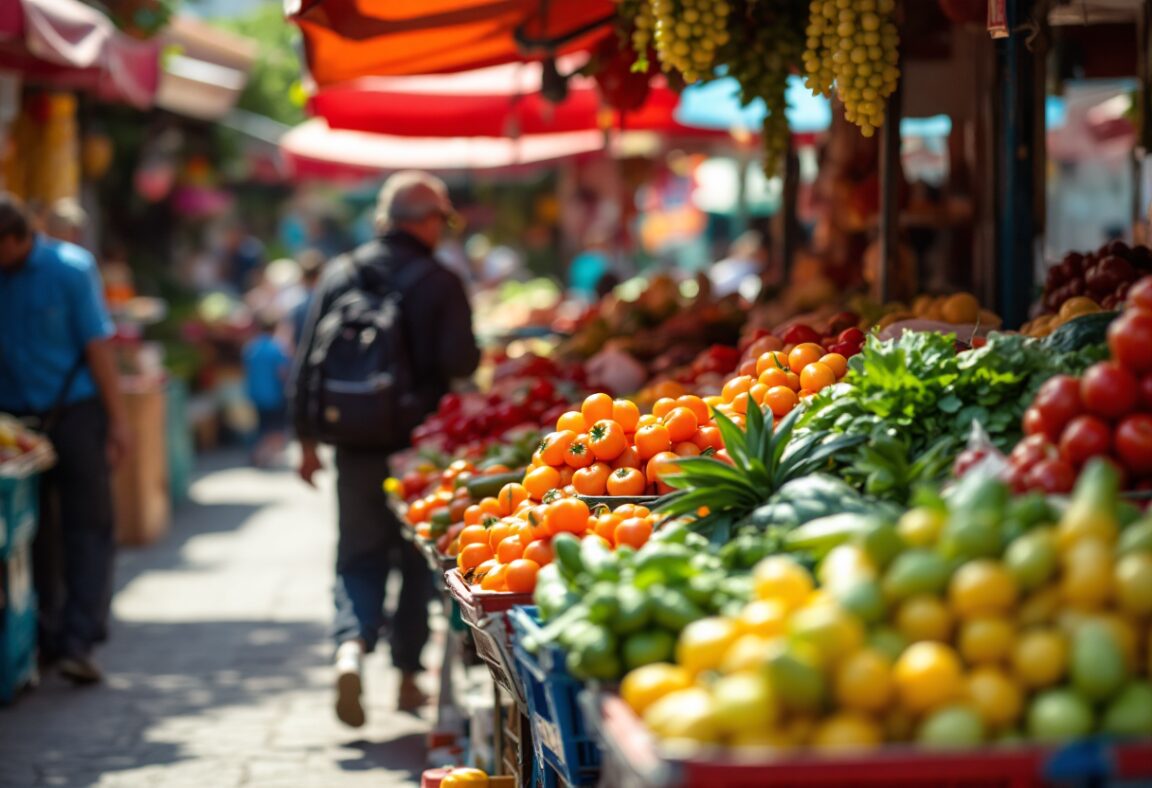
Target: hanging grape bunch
(853, 49)
(765, 41)
(635, 23)
(688, 34)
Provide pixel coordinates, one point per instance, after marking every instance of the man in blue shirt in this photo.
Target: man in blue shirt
(266, 367)
(57, 370)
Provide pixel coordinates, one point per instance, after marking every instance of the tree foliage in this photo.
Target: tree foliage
(273, 88)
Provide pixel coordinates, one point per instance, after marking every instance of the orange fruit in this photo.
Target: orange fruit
(579, 453)
(472, 555)
(572, 420)
(554, 445)
(497, 533)
(804, 354)
(757, 392)
(568, 515)
(793, 380)
(473, 514)
(521, 576)
(817, 376)
(633, 532)
(740, 403)
(652, 440)
(592, 480)
(473, 534)
(626, 414)
(771, 360)
(605, 527)
(539, 481)
(662, 407)
(539, 551)
(629, 459)
(697, 405)
(686, 449)
(511, 496)
(661, 465)
(606, 439)
(627, 481)
(596, 407)
(737, 385)
(836, 362)
(681, 423)
(509, 549)
(773, 377)
(496, 579)
(781, 400)
(708, 438)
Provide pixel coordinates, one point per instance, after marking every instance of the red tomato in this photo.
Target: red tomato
(1146, 391)
(1051, 476)
(799, 334)
(1109, 390)
(1134, 443)
(1058, 401)
(1036, 424)
(1031, 450)
(1130, 340)
(853, 336)
(1140, 294)
(1085, 437)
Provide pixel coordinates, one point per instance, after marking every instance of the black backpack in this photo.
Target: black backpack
(362, 386)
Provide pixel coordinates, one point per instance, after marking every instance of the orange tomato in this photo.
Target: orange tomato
(645, 420)
(793, 381)
(737, 385)
(722, 455)
(511, 496)
(605, 527)
(568, 514)
(471, 556)
(662, 407)
(661, 465)
(681, 423)
(773, 377)
(696, 405)
(757, 392)
(804, 354)
(627, 481)
(418, 511)
(473, 534)
(817, 376)
(596, 407)
(521, 576)
(708, 438)
(763, 345)
(606, 439)
(539, 481)
(566, 474)
(633, 532)
(496, 579)
(540, 551)
(592, 480)
(572, 420)
(473, 514)
(579, 453)
(554, 445)
(629, 459)
(771, 360)
(740, 402)
(626, 414)
(836, 362)
(497, 533)
(747, 368)
(652, 440)
(509, 550)
(484, 568)
(686, 449)
(781, 400)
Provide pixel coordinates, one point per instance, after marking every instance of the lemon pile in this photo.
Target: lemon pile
(955, 633)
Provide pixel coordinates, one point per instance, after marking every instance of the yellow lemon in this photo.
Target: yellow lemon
(781, 578)
(646, 685)
(986, 639)
(688, 714)
(864, 681)
(996, 696)
(924, 617)
(704, 643)
(921, 527)
(848, 731)
(982, 587)
(765, 617)
(928, 675)
(1088, 579)
(1040, 657)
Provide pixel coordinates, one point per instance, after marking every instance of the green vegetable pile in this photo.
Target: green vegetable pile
(914, 399)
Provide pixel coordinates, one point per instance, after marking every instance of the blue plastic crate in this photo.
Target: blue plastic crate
(19, 508)
(559, 736)
(17, 623)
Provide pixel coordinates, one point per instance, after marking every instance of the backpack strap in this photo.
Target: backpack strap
(398, 282)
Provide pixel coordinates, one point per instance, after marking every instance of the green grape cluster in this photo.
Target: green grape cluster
(852, 48)
(688, 34)
(635, 24)
(766, 39)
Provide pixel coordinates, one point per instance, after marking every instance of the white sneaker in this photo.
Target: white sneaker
(349, 663)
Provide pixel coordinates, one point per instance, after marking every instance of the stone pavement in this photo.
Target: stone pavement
(218, 662)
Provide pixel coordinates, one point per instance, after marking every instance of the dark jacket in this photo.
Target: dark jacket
(436, 316)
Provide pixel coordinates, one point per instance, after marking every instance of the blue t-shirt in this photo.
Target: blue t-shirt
(266, 372)
(51, 308)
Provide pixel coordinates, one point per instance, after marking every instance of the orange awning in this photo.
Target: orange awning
(348, 39)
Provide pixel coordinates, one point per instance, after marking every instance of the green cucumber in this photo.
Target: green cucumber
(480, 487)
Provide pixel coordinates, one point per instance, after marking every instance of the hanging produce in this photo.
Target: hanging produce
(853, 51)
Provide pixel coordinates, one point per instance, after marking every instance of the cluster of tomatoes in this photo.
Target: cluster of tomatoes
(778, 377)
(1107, 412)
(507, 539)
(608, 448)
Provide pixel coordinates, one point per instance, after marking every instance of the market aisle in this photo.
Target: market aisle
(217, 670)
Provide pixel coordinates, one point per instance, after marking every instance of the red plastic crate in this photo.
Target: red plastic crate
(632, 754)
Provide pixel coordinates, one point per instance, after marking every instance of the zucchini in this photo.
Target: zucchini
(1080, 332)
(480, 487)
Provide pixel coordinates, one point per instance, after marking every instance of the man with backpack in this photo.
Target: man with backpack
(388, 331)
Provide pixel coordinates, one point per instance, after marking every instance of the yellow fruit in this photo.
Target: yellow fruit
(749, 652)
(1087, 581)
(687, 714)
(924, 617)
(928, 675)
(864, 681)
(843, 565)
(828, 632)
(921, 527)
(960, 308)
(997, 698)
(1040, 657)
(1078, 305)
(921, 304)
(1126, 634)
(744, 702)
(779, 577)
(465, 777)
(765, 617)
(848, 731)
(986, 639)
(1078, 527)
(646, 685)
(1040, 607)
(704, 643)
(982, 587)
(773, 739)
(1133, 583)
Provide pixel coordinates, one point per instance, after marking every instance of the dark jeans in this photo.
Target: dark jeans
(370, 543)
(75, 545)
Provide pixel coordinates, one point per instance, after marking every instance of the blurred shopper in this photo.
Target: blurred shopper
(741, 271)
(57, 370)
(379, 370)
(65, 220)
(266, 368)
(243, 257)
(311, 266)
(589, 266)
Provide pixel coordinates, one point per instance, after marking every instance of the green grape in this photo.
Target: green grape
(687, 34)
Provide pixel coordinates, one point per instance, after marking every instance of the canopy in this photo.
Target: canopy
(348, 39)
(313, 150)
(67, 44)
(205, 71)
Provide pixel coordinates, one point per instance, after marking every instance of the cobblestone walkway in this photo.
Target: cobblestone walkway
(218, 663)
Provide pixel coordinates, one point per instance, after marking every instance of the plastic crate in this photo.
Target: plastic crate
(634, 760)
(483, 612)
(561, 738)
(19, 508)
(17, 623)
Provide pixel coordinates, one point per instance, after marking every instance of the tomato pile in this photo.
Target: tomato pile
(1107, 412)
(778, 376)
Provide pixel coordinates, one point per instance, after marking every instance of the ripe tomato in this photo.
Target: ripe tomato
(568, 514)
(652, 440)
(539, 481)
(662, 465)
(1030, 451)
(606, 439)
(1140, 294)
(817, 376)
(596, 407)
(1146, 392)
(1051, 476)
(1134, 443)
(572, 420)
(696, 405)
(554, 445)
(579, 453)
(1034, 423)
(1058, 401)
(852, 336)
(509, 549)
(633, 532)
(1130, 340)
(592, 480)
(627, 481)
(1109, 390)
(520, 576)
(708, 438)
(804, 354)
(626, 414)
(629, 459)
(539, 551)
(1085, 437)
(681, 423)
(781, 400)
(737, 385)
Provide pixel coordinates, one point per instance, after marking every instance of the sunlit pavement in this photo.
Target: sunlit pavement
(218, 663)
